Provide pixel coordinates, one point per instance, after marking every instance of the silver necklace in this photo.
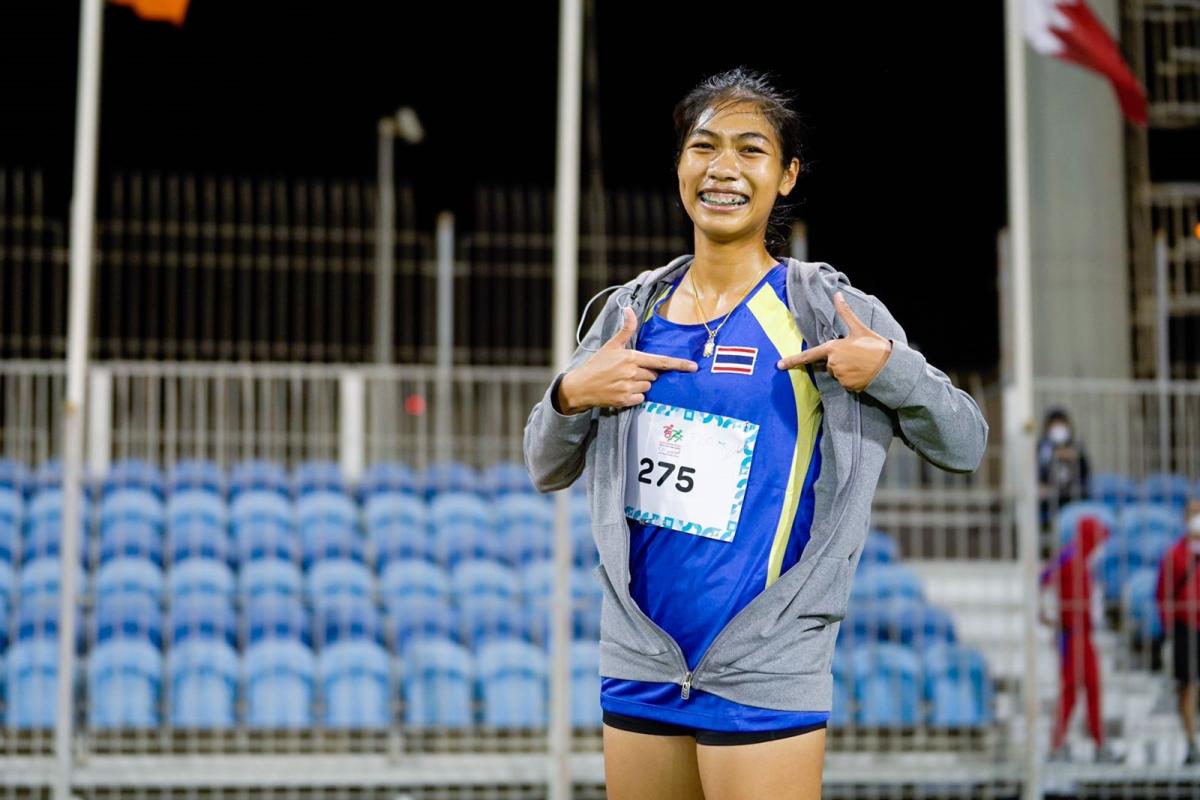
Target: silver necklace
(712, 334)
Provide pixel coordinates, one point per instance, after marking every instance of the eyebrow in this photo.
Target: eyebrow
(743, 135)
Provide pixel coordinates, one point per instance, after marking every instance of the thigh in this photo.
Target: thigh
(782, 769)
(642, 765)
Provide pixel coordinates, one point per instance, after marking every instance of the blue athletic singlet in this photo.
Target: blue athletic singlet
(692, 585)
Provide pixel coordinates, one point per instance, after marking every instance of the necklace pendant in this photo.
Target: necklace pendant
(708, 347)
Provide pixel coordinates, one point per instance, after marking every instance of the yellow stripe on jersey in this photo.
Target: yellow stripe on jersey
(650, 306)
(780, 327)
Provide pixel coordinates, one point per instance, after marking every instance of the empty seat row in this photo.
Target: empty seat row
(281, 683)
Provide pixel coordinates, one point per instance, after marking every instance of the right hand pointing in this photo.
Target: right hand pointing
(616, 375)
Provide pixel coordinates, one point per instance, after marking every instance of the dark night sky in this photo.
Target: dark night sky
(905, 190)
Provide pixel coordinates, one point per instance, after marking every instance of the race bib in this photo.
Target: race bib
(687, 470)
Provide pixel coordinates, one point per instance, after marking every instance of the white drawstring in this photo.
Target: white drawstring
(583, 316)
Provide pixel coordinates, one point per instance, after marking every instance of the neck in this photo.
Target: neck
(723, 267)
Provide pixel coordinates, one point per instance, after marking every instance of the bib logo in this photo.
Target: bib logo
(672, 434)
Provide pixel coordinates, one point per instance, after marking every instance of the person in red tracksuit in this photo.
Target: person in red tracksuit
(1178, 595)
(1071, 578)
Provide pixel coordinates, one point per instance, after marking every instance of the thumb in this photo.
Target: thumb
(847, 314)
(628, 326)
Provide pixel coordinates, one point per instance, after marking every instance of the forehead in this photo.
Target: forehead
(734, 118)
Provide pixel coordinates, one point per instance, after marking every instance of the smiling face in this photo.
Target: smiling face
(730, 172)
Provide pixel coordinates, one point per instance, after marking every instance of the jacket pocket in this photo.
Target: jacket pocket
(617, 626)
(802, 638)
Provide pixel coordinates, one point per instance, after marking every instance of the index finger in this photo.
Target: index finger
(663, 363)
(818, 353)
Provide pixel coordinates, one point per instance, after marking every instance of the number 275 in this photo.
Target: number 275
(683, 478)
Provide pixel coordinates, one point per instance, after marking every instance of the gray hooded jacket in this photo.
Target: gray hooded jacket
(777, 652)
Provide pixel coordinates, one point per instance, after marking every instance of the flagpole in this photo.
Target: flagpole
(83, 199)
(566, 284)
(1019, 423)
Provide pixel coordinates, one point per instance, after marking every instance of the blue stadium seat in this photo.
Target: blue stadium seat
(280, 682)
(449, 476)
(1149, 519)
(196, 475)
(536, 583)
(43, 525)
(462, 528)
(1141, 605)
(203, 675)
(202, 616)
(585, 684)
(12, 516)
(266, 541)
(128, 616)
(957, 686)
(124, 684)
(270, 577)
(42, 577)
(1113, 490)
(323, 507)
(318, 476)
(126, 508)
(389, 477)
(484, 618)
(32, 681)
(413, 578)
(1167, 489)
(505, 478)
(196, 526)
(397, 528)
(38, 617)
(885, 582)
(4, 623)
(268, 618)
(131, 525)
(417, 617)
(583, 545)
(917, 624)
(878, 548)
(886, 683)
(8, 583)
(328, 580)
(866, 621)
(49, 477)
(265, 476)
(356, 684)
(348, 618)
(511, 679)
(259, 507)
(130, 575)
(323, 542)
(14, 475)
(524, 526)
(1070, 515)
(201, 576)
(438, 677)
(480, 578)
(133, 474)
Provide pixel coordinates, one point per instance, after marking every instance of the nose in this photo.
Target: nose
(722, 166)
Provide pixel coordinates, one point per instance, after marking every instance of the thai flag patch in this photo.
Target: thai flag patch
(738, 360)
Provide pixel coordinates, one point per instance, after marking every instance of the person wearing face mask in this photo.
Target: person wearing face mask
(1178, 595)
(1070, 577)
(1063, 468)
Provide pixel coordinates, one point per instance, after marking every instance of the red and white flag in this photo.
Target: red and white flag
(1068, 30)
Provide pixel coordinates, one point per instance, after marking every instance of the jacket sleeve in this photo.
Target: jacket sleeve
(555, 444)
(934, 417)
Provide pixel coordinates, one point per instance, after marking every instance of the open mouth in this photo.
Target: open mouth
(723, 200)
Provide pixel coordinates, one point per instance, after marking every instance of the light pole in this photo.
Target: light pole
(405, 125)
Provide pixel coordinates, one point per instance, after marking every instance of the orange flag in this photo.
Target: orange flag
(172, 11)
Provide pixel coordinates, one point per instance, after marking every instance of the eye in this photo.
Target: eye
(701, 144)
(752, 149)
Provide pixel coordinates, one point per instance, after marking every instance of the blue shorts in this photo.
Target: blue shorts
(656, 728)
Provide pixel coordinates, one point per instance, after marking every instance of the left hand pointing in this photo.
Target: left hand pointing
(853, 361)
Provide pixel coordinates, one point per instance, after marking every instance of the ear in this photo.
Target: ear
(790, 175)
